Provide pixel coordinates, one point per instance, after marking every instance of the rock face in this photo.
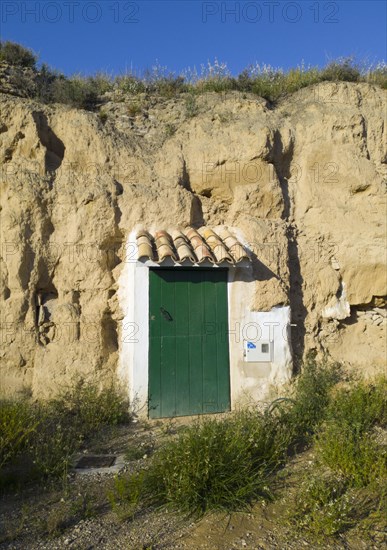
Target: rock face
(303, 182)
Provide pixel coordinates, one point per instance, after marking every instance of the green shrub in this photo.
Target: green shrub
(322, 506)
(18, 424)
(350, 477)
(53, 445)
(130, 84)
(216, 464)
(75, 91)
(346, 443)
(16, 54)
(44, 82)
(24, 83)
(135, 453)
(351, 453)
(102, 83)
(301, 414)
(88, 409)
(369, 507)
(361, 406)
(377, 75)
(168, 86)
(217, 85)
(341, 70)
(45, 435)
(227, 464)
(103, 116)
(170, 130)
(296, 79)
(126, 496)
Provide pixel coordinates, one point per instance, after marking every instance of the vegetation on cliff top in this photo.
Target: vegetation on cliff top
(272, 83)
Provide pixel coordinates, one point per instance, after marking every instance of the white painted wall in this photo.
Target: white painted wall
(133, 295)
(249, 381)
(252, 381)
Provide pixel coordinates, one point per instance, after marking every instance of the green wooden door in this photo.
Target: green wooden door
(188, 342)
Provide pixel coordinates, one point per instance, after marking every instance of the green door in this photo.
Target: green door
(188, 342)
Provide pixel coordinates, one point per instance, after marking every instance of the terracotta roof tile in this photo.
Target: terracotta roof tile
(164, 246)
(190, 244)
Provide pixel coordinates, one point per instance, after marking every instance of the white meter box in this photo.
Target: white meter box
(258, 351)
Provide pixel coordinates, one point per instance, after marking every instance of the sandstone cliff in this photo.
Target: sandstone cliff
(303, 181)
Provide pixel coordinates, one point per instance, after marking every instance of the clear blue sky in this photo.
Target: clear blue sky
(87, 36)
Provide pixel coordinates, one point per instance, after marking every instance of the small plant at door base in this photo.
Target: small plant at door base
(214, 464)
(227, 464)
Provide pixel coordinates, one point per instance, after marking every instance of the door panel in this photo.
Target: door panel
(188, 348)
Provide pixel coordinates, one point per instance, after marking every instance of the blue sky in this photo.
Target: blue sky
(87, 36)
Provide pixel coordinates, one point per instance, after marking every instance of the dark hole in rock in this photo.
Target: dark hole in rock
(109, 332)
(119, 188)
(206, 193)
(96, 462)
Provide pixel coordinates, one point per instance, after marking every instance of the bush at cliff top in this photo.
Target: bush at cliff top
(16, 54)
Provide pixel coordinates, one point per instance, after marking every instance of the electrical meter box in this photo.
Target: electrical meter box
(259, 351)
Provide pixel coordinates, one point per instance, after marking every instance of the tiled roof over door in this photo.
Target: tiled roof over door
(191, 245)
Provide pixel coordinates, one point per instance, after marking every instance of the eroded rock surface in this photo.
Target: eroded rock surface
(303, 181)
